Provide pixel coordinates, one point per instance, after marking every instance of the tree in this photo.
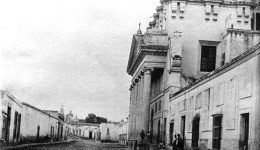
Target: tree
(92, 118)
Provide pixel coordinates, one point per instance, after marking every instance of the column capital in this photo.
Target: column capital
(147, 69)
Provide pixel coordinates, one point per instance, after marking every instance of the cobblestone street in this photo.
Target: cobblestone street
(80, 145)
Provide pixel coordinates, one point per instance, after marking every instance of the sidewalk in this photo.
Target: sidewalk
(35, 144)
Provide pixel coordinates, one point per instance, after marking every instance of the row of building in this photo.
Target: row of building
(23, 123)
(104, 132)
(195, 71)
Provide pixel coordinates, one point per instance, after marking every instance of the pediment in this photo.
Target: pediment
(146, 44)
(136, 43)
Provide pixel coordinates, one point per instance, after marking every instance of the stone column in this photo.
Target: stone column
(139, 107)
(135, 110)
(131, 113)
(142, 100)
(146, 98)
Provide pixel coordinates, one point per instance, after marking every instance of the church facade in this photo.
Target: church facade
(196, 72)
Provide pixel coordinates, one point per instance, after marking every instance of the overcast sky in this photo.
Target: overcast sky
(70, 52)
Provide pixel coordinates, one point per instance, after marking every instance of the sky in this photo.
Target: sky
(70, 52)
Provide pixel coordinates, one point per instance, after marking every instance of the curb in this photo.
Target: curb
(35, 144)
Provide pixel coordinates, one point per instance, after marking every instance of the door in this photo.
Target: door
(158, 131)
(195, 132)
(183, 119)
(244, 132)
(171, 132)
(164, 130)
(38, 133)
(151, 137)
(4, 129)
(15, 126)
(90, 135)
(8, 123)
(217, 129)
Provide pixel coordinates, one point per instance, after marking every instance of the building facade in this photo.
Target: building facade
(10, 118)
(86, 130)
(195, 72)
(113, 132)
(22, 123)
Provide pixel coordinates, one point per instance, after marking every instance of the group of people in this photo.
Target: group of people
(177, 143)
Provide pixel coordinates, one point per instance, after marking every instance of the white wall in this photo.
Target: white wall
(33, 118)
(8, 100)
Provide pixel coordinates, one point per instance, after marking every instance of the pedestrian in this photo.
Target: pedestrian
(174, 142)
(148, 136)
(142, 135)
(180, 142)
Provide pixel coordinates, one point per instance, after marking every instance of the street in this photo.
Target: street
(80, 145)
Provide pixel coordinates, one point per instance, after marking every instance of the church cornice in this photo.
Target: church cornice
(153, 50)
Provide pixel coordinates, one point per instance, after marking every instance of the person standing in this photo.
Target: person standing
(142, 135)
(180, 142)
(174, 143)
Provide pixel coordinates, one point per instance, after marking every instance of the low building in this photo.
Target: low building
(86, 130)
(10, 119)
(21, 122)
(60, 123)
(36, 124)
(123, 132)
(113, 131)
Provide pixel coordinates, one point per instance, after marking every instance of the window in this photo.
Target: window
(208, 58)
(195, 131)
(155, 107)
(244, 131)
(257, 21)
(178, 5)
(217, 128)
(159, 105)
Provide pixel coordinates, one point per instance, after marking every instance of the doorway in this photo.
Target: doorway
(195, 131)
(90, 135)
(151, 138)
(244, 131)
(183, 118)
(158, 131)
(171, 132)
(38, 133)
